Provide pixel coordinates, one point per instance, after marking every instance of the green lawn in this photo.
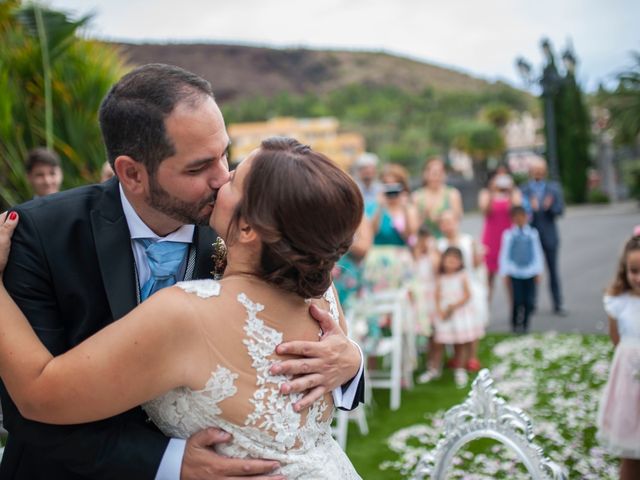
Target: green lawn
(555, 378)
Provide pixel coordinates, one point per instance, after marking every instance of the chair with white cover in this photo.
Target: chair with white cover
(342, 417)
(341, 424)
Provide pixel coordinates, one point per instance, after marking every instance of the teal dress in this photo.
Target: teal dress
(389, 264)
(347, 278)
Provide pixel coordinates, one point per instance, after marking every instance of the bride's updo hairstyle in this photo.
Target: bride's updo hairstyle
(306, 211)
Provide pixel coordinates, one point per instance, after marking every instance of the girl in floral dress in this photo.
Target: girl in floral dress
(619, 412)
(427, 259)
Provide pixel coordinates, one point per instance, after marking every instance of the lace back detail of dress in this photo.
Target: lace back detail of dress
(302, 443)
(202, 288)
(330, 297)
(273, 412)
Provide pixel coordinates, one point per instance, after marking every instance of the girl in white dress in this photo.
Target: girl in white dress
(199, 354)
(619, 412)
(473, 256)
(456, 323)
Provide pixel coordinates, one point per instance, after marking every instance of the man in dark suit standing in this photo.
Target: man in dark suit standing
(85, 257)
(546, 203)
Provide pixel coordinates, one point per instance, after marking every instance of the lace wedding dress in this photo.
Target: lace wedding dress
(241, 396)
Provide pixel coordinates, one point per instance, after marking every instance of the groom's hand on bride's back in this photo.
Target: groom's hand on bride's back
(201, 461)
(323, 366)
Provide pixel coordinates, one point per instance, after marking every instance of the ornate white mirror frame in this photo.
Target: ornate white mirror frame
(485, 415)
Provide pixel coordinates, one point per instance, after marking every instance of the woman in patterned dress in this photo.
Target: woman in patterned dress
(436, 196)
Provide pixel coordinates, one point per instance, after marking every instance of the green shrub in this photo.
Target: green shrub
(597, 196)
(631, 177)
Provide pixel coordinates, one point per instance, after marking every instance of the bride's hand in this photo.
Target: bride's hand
(8, 223)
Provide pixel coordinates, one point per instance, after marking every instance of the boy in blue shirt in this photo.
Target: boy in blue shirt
(521, 259)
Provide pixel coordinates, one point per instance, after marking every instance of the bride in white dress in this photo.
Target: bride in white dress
(287, 215)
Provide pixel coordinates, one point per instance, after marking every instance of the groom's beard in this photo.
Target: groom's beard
(184, 212)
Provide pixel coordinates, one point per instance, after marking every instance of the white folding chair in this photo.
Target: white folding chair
(342, 419)
(341, 424)
(393, 304)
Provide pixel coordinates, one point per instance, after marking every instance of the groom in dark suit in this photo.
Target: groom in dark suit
(86, 257)
(546, 202)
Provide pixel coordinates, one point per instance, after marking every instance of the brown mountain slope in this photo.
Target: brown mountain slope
(240, 71)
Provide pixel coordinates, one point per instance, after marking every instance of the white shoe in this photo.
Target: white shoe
(429, 375)
(460, 377)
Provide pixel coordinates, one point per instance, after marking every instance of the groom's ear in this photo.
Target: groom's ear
(132, 175)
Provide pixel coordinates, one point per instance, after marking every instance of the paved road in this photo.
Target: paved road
(592, 238)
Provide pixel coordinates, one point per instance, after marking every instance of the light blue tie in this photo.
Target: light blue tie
(164, 259)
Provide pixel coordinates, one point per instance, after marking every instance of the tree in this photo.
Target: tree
(480, 140)
(624, 104)
(79, 73)
(572, 124)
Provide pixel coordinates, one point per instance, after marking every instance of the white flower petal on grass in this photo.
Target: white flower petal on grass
(556, 379)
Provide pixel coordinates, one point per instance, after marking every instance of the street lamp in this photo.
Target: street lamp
(569, 61)
(550, 81)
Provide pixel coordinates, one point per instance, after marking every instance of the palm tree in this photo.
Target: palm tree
(52, 83)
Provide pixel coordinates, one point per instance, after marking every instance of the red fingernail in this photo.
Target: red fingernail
(13, 216)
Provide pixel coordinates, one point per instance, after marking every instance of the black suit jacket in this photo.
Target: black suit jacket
(72, 272)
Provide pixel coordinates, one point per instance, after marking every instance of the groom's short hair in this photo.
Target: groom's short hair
(133, 113)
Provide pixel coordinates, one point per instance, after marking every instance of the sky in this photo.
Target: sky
(479, 37)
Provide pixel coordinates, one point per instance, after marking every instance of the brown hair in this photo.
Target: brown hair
(620, 282)
(306, 211)
(434, 159)
(133, 113)
(399, 174)
(41, 156)
(454, 251)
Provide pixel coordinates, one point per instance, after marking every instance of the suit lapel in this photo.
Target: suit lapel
(203, 238)
(113, 247)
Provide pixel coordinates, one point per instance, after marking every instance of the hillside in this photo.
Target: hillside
(239, 71)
